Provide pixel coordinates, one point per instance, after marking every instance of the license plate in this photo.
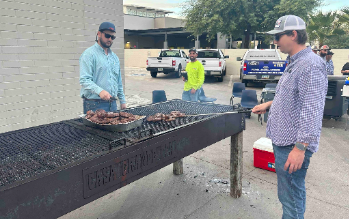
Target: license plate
(265, 76)
(160, 69)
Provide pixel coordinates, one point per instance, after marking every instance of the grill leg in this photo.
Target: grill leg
(236, 165)
(178, 167)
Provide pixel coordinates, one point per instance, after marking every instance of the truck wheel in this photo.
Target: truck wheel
(179, 72)
(154, 74)
(225, 71)
(240, 75)
(220, 79)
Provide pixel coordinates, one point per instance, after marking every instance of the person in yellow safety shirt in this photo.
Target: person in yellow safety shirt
(196, 77)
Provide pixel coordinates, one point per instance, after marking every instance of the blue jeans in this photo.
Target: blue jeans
(291, 187)
(188, 96)
(108, 106)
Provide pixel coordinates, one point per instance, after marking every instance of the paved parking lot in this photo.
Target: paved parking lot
(203, 190)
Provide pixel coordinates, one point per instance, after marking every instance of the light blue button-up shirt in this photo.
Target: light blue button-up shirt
(99, 72)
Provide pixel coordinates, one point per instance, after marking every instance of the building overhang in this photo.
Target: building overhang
(161, 31)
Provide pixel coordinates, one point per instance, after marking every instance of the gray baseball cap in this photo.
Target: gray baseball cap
(288, 22)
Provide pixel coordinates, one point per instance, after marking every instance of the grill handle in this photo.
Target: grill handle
(209, 114)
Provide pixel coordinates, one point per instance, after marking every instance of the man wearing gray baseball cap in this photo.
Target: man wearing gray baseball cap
(295, 117)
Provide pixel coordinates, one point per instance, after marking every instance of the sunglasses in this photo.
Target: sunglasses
(109, 36)
(278, 36)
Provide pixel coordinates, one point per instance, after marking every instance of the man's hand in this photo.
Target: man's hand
(261, 109)
(193, 91)
(104, 95)
(183, 78)
(123, 106)
(295, 160)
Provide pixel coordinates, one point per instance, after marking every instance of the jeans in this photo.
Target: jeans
(188, 96)
(108, 106)
(291, 187)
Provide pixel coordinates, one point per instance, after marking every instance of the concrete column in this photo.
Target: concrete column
(221, 41)
(254, 44)
(197, 42)
(166, 43)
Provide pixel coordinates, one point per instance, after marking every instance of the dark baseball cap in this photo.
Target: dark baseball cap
(288, 22)
(330, 53)
(192, 49)
(107, 26)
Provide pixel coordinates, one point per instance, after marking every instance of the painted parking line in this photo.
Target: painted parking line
(231, 80)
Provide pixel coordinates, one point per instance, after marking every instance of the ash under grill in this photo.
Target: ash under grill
(29, 152)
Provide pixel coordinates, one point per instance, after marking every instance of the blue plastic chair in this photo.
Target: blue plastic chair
(249, 100)
(237, 91)
(159, 96)
(271, 85)
(203, 98)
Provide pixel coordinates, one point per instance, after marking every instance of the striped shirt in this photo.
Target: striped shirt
(329, 67)
(297, 109)
(98, 72)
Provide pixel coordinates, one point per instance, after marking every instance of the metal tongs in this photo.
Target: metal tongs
(260, 119)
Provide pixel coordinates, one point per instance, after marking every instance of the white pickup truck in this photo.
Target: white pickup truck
(213, 61)
(169, 60)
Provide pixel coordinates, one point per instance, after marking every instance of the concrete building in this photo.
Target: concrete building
(150, 28)
(40, 45)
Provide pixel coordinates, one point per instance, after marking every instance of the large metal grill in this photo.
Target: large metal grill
(29, 152)
(49, 170)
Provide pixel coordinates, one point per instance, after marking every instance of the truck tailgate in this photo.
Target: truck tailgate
(264, 67)
(210, 64)
(160, 62)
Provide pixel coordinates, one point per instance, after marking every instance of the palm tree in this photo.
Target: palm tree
(323, 26)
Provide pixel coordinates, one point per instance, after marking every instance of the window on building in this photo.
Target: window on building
(150, 14)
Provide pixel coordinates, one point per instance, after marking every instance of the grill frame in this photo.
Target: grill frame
(54, 193)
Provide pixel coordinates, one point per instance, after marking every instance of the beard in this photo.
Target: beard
(192, 58)
(323, 54)
(105, 45)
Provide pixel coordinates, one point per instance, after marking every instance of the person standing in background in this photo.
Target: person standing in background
(329, 63)
(196, 77)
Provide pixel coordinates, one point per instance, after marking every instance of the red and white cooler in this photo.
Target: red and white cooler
(263, 154)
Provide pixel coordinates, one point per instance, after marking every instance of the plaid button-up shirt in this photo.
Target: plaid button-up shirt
(297, 109)
(329, 67)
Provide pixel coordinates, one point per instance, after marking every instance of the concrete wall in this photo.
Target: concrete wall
(40, 45)
(168, 22)
(137, 58)
(132, 22)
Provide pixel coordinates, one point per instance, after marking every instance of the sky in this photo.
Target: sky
(175, 5)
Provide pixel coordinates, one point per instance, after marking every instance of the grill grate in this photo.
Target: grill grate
(189, 108)
(29, 152)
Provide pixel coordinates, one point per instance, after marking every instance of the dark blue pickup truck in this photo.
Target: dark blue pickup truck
(259, 65)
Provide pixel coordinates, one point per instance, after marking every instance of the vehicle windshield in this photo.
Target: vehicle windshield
(208, 54)
(262, 55)
(170, 53)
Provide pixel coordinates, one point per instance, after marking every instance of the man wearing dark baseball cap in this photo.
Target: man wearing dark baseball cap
(295, 117)
(100, 75)
(329, 63)
(195, 78)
